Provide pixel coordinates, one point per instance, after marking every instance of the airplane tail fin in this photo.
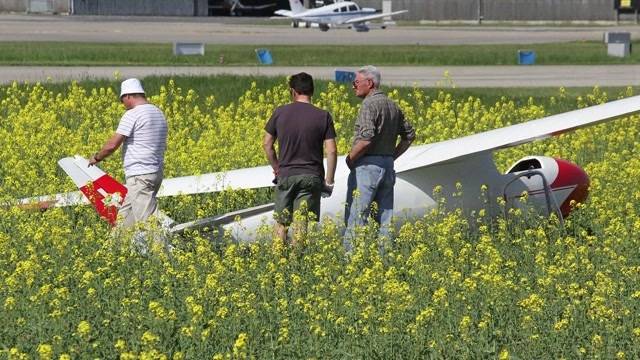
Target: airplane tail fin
(296, 6)
(103, 191)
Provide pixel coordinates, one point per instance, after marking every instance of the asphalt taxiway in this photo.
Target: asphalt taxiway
(422, 76)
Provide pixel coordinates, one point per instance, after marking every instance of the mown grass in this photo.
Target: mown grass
(69, 53)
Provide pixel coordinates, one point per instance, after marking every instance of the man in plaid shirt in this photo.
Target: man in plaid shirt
(375, 147)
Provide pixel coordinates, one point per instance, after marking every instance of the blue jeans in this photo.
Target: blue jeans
(373, 176)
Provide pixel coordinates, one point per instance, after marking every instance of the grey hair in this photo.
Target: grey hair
(371, 72)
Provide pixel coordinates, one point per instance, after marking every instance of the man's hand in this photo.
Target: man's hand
(327, 189)
(94, 160)
(349, 162)
(358, 150)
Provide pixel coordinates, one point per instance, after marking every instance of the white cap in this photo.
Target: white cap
(131, 86)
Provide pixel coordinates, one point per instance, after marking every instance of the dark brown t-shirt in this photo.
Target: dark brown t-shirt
(300, 129)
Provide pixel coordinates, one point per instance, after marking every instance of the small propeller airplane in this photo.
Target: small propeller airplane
(551, 183)
(343, 13)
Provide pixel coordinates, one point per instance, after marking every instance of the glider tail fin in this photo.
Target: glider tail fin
(103, 191)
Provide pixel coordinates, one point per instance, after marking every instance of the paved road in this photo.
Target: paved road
(461, 76)
(261, 31)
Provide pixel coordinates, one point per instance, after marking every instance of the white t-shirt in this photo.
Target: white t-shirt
(145, 128)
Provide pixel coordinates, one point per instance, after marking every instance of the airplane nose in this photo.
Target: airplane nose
(567, 181)
(570, 176)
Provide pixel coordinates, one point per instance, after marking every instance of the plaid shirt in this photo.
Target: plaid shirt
(381, 121)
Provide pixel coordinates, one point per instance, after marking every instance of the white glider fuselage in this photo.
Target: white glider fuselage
(471, 183)
(413, 195)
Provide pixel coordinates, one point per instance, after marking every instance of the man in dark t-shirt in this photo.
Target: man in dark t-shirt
(302, 131)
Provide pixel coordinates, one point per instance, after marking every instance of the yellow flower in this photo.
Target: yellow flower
(533, 303)
(596, 341)
(9, 303)
(240, 346)
(439, 295)
(561, 324)
(465, 322)
(84, 329)
(504, 354)
(120, 345)
(149, 338)
(45, 351)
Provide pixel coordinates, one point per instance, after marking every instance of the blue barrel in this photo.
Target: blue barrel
(526, 57)
(264, 56)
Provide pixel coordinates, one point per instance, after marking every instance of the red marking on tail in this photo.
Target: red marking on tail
(106, 206)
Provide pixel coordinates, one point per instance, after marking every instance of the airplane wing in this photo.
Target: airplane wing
(248, 178)
(57, 200)
(256, 7)
(285, 13)
(77, 168)
(373, 17)
(431, 154)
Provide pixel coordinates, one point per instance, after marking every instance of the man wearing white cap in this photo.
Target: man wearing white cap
(143, 131)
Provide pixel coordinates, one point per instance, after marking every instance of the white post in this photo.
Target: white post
(386, 8)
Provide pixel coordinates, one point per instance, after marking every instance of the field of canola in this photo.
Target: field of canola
(69, 288)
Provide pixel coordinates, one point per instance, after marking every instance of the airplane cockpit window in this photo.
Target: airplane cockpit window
(336, 10)
(353, 7)
(344, 9)
(528, 164)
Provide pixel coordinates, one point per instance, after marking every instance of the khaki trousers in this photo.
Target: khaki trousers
(140, 202)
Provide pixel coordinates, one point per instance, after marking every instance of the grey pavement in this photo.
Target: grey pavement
(262, 31)
(459, 76)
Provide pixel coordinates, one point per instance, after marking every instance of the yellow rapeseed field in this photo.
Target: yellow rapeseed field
(526, 289)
